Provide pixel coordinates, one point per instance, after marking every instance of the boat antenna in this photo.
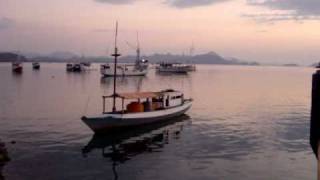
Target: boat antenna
(138, 47)
(115, 55)
(191, 50)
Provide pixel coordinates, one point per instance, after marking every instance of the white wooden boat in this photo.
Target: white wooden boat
(191, 67)
(172, 68)
(147, 107)
(125, 70)
(139, 68)
(157, 107)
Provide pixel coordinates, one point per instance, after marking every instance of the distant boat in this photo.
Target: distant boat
(191, 67)
(36, 65)
(76, 67)
(88, 64)
(139, 68)
(177, 68)
(157, 107)
(17, 67)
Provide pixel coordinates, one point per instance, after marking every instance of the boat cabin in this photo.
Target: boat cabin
(147, 101)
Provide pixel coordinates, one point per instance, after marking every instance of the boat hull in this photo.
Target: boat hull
(111, 122)
(124, 70)
(17, 68)
(173, 70)
(36, 66)
(107, 73)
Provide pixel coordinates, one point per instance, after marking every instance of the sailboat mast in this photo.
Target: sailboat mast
(138, 48)
(115, 55)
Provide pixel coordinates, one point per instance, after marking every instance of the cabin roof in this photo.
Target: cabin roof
(140, 95)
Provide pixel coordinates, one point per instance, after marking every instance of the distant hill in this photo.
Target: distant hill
(62, 55)
(9, 57)
(291, 65)
(206, 58)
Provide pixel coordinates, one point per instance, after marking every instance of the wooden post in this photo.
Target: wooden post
(122, 105)
(315, 117)
(318, 161)
(104, 105)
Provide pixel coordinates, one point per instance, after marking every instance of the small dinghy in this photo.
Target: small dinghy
(144, 107)
(36, 65)
(69, 67)
(173, 68)
(17, 67)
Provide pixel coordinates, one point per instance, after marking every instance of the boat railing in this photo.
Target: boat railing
(136, 106)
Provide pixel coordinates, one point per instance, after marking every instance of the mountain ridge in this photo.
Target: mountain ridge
(205, 58)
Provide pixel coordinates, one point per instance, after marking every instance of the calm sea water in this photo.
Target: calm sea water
(245, 123)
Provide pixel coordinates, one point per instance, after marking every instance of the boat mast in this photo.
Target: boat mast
(138, 48)
(115, 55)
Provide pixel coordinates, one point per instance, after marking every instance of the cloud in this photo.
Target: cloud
(119, 2)
(192, 3)
(298, 10)
(174, 3)
(5, 23)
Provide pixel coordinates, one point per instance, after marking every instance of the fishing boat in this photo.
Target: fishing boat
(139, 68)
(17, 67)
(36, 65)
(191, 67)
(69, 67)
(76, 67)
(176, 68)
(144, 107)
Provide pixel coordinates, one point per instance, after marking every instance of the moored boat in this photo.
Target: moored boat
(36, 65)
(17, 67)
(147, 107)
(139, 68)
(77, 67)
(157, 107)
(69, 67)
(191, 67)
(124, 70)
(175, 68)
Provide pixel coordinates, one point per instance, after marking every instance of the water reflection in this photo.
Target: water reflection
(136, 81)
(123, 146)
(4, 158)
(292, 132)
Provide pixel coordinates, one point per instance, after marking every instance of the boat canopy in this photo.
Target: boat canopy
(139, 95)
(142, 95)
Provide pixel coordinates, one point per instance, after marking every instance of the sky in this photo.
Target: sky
(266, 31)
